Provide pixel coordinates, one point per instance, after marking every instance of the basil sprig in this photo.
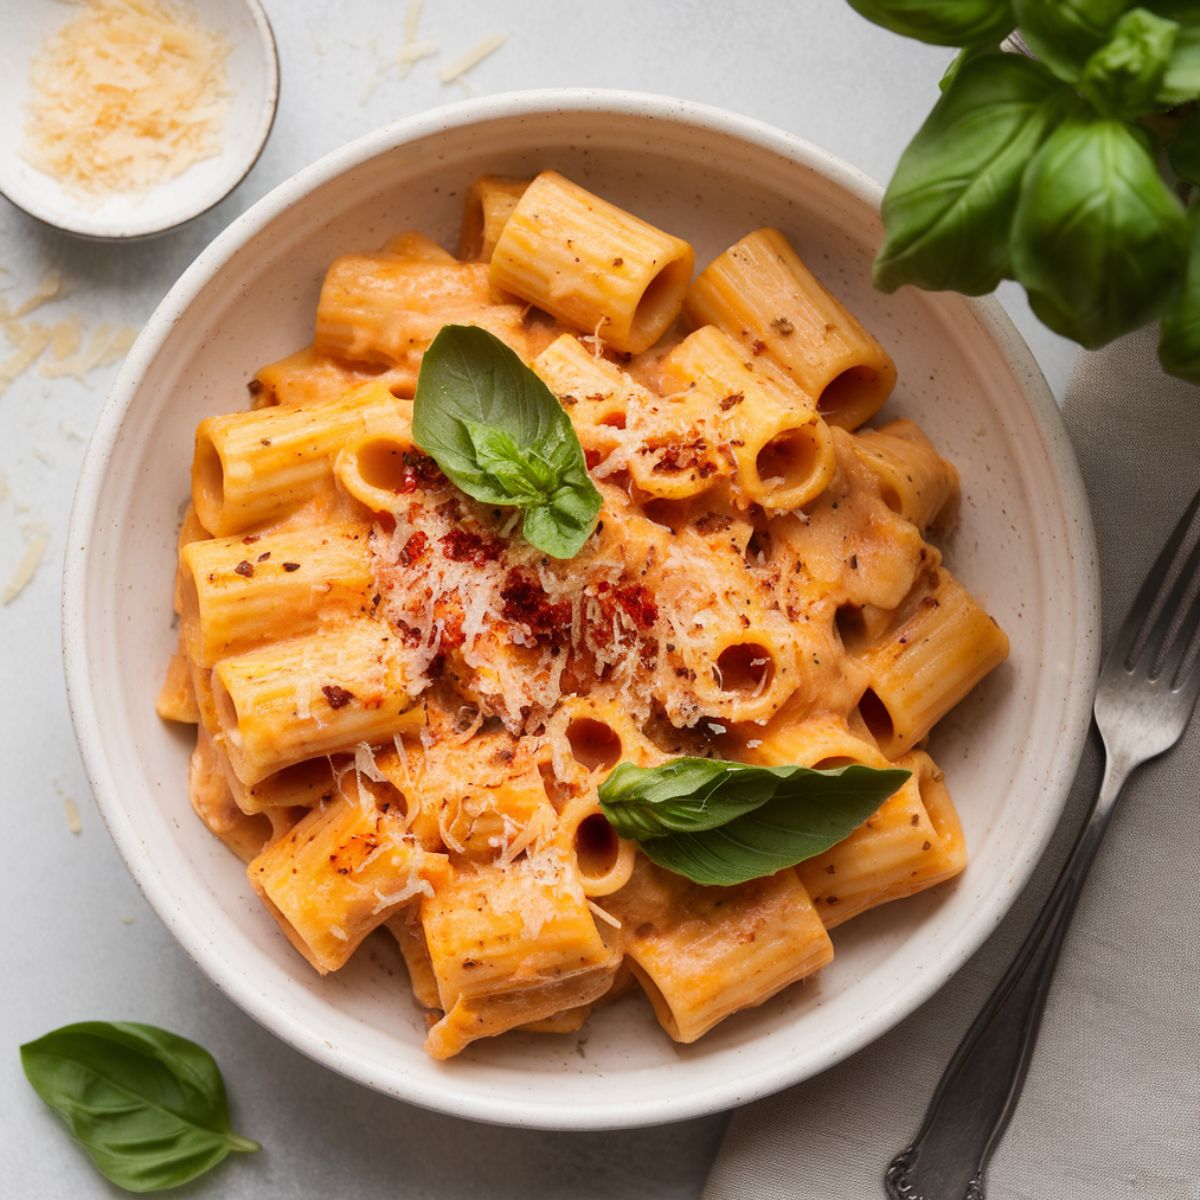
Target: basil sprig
(148, 1106)
(1049, 170)
(498, 433)
(724, 823)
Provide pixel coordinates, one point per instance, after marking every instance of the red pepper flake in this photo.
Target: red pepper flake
(674, 456)
(783, 327)
(338, 697)
(568, 401)
(415, 549)
(251, 538)
(734, 398)
(463, 545)
(637, 601)
(291, 566)
(244, 568)
(618, 262)
(525, 602)
(418, 471)
(265, 441)
(757, 347)
(255, 387)
(263, 556)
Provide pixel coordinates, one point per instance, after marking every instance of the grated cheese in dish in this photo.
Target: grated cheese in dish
(126, 96)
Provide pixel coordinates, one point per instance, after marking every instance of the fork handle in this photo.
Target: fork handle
(978, 1094)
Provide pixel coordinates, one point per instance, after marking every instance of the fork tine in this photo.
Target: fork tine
(1132, 638)
(1163, 643)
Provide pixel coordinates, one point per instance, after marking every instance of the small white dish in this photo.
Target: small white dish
(252, 76)
(1024, 546)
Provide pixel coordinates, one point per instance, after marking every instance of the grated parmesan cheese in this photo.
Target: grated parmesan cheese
(72, 812)
(455, 70)
(26, 568)
(127, 95)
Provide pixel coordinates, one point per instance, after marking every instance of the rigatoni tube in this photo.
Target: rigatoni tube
(254, 467)
(760, 292)
(592, 264)
(312, 695)
(783, 449)
(490, 202)
(237, 595)
(939, 648)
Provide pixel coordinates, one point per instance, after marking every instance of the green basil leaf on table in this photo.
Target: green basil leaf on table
(724, 823)
(1179, 344)
(949, 206)
(1124, 76)
(1098, 237)
(941, 22)
(498, 433)
(1064, 34)
(148, 1106)
(1184, 150)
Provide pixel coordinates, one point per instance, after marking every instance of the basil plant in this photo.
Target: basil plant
(1069, 170)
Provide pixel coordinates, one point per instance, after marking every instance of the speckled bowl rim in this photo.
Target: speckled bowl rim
(448, 1093)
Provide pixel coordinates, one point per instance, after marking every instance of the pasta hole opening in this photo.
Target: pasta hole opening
(189, 595)
(594, 744)
(381, 464)
(851, 625)
(660, 304)
(209, 479)
(596, 846)
(848, 391)
(833, 762)
(670, 514)
(876, 717)
(227, 713)
(745, 667)
(790, 459)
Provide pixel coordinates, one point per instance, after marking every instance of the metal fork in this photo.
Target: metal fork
(1147, 691)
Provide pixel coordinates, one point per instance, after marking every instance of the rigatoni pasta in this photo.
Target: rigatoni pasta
(405, 711)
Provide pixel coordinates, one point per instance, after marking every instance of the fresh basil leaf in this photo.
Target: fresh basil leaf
(965, 55)
(1184, 151)
(941, 22)
(1123, 78)
(1098, 238)
(499, 434)
(949, 206)
(810, 813)
(148, 1106)
(1181, 83)
(685, 794)
(1179, 344)
(1064, 34)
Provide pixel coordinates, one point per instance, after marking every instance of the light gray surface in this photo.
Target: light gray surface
(79, 941)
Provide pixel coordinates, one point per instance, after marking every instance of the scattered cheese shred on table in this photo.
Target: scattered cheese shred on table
(72, 811)
(50, 288)
(22, 576)
(460, 66)
(128, 94)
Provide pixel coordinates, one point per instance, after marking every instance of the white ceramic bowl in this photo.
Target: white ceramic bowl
(252, 73)
(1024, 545)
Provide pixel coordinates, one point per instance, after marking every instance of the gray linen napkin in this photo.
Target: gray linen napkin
(1112, 1103)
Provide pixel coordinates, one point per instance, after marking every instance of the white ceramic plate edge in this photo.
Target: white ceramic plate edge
(1082, 656)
